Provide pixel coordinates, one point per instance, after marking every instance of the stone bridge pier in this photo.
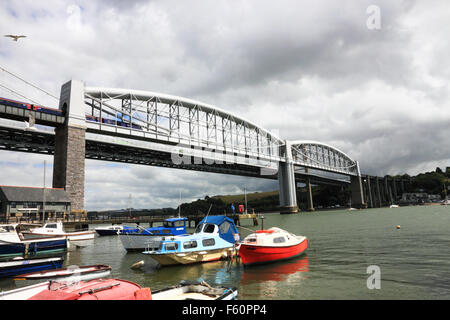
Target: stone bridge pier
(70, 145)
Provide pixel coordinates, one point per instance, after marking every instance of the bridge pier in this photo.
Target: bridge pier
(286, 180)
(357, 191)
(309, 197)
(378, 192)
(70, 145)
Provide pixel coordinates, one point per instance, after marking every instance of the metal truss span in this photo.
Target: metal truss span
(177, 120)
(318, 155)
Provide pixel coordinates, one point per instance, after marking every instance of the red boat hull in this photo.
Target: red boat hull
(98, 289)
(253, 254)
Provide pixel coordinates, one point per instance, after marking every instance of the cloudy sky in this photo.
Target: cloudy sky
(368, 77)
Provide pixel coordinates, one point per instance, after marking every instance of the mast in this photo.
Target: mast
(245, 195)
(43, 196)
(179, 206)
(129, 208)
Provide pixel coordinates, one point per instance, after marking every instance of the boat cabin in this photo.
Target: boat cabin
(270, 237)
(170, 227)
(211, 233)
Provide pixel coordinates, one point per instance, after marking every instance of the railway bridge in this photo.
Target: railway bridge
(149, 128)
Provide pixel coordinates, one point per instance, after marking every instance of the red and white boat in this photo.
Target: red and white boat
(97, 289)
(271, 245)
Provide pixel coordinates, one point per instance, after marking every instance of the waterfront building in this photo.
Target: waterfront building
(27, 203)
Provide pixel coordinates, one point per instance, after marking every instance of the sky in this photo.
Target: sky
(368, 77)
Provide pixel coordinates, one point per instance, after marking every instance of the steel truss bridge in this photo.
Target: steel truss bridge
(143, 127)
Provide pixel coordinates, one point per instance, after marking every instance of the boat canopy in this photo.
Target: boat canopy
(227, 228)
(176, 219)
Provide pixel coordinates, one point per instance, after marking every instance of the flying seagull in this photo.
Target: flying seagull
(14, 37)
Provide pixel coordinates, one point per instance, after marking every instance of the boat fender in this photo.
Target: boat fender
(138, 265)
(143, 294)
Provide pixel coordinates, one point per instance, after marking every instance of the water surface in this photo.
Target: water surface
(414, 260)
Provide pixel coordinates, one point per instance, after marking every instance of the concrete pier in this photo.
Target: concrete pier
(286, 180)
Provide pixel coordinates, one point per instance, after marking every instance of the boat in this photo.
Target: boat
(13, 244)
(117, 289)
(142, 238)
(214, 239)
(21, 265)
(109, 231)
(95, 289)
(195, 291)
(80, 272)
(394, 206)
(271, 245)
(78, 238)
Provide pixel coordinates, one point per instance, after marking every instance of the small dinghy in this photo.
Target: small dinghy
(271, 245)
(82, 273)
(21, 265)
(195, 291)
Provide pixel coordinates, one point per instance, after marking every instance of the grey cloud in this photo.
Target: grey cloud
(310, 70)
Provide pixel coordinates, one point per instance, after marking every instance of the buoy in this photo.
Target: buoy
(398, 227)
(137, 265)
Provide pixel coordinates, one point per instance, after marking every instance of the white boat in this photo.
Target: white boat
(77, 238)
(394, 206)
(75, 272)
(109, 230)
(13, 243)
(140, 239)
(195, 291)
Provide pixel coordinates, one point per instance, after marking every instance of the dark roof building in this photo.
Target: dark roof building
(28, 202)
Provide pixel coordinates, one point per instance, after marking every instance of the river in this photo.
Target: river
(413, 261)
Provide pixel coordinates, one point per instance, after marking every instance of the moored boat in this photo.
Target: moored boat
(78, 238)
(13, 244)
(271, 245)
(109, 230)
(19, 266)
(96, 289)
(141, 239)
(78, 272)
(213, 239)
(195, 291)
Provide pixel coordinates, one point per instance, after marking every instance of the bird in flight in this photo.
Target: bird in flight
(14, 37)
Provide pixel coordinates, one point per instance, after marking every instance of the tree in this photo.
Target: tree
(438, 170)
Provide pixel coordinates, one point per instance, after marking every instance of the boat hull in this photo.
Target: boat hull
(140, 242)
(80, 273)
(16, 267)
(168, 259)
(32, 248)
(255, 254)
(107, 232)
(195, 292)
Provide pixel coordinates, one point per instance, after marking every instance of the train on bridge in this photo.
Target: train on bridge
(57, 112)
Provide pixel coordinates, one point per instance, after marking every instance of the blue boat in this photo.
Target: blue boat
(21, 266)
(12, 244)
(214, 239)
(139, 239)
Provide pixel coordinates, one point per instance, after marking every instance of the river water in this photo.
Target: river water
(414, 261)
